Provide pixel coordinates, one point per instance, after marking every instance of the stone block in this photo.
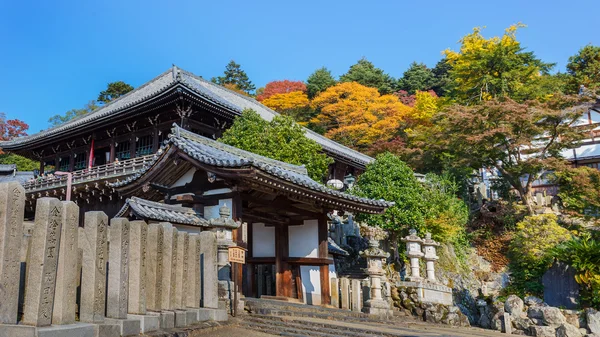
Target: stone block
(148, 323)
(166, 319)
(94, 243)
(345, 293)
(192, 277)
(12, 208)
(43, 263)
(181, 288)
(154, 266)
(107, 330)
(208, 268)
(335, 293)
(356, 301)
(138, 236)
(169, 264)
(185, 318)
(127, 327)
(67, 330)
(209, 314)
(118, 274)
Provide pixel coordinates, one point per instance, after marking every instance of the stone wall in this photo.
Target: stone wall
(135, 278)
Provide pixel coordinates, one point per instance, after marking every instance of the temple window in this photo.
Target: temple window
(79, 162)
(122, 150)
(143, 146)
(63, 163)
(49, 166)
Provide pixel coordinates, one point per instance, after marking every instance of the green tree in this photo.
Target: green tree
(281, 139)
(365, 73)
(318, 82)
(73, 113)
(113, 91)
(579, 189)
(584, 67)
(443, 83)
(235, 75)
(416, 78)
(23, 164)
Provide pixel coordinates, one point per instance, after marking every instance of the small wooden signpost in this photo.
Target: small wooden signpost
(236, 255)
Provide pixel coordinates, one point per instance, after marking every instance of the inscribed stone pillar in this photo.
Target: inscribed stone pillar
(138, 234)
(174, 267)
(12, 207)
(192, 276)
(154, 266)
(345, 292)
(93, 267)
(181, 288)
(335, 293)
(208, 265)
(118, 273)
(168, 264)
(43, 263)
(356, 299)
(67, 275)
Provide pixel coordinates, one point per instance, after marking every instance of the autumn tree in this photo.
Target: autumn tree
(73, 113)
(579, 188)
(484, 69)
(281, 87)
(235, 75)
(356, 115)
(10, 129)
(294, 104)
(521, 140)
(281, 139)
(416, 78)
(113, 91)
(319, 81)
(584, 67)
(365, 73)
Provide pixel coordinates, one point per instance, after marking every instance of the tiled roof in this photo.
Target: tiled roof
(7, 168)
(334, 248)
(146, 209)
(211, 152)
(21, 177)
(208, 90)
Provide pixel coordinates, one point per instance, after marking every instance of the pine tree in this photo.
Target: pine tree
(318, 82)
(235, 75)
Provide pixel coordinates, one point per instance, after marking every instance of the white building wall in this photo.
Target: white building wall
(311, 284)
(186, 178)
(263, 240)
(304, 239)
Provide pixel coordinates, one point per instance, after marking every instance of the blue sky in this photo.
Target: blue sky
(57, 55)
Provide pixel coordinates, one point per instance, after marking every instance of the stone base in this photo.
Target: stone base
(127, 327)
(377, 307)
(148, 323)
(107, 330)
(67, 330)
(184, 318)
(207, 314)
(166, 319)
(430, 292)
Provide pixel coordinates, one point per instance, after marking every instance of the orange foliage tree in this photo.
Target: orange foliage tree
(294, 104)
(281, 87)
(356, 115)
(11, 128)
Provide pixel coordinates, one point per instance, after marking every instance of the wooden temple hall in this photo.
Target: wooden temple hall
(152, 155)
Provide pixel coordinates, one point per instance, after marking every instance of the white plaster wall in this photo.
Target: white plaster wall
(304, 239)
(186, 178)
(263, 240)
(311, 284)
(211, 212)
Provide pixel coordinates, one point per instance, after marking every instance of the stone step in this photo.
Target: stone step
(262, 306)
(295, 329)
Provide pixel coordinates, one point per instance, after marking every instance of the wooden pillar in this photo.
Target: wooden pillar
(324, 253)
(236, 213)
(132, 143)
(71, 161)
(113, 150)
(251, 286)
(283, 279)
(42, 164)
(155, 144)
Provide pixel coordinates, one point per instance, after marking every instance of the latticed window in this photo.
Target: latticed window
(122, 150)
(63, 164)
(79, 162)
(143, 146)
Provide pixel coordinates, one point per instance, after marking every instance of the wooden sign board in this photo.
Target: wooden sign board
(237, 255)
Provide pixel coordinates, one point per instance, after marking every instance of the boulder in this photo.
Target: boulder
(514, 306)
(553, 316)
(592, 317)
(521, 323)
(567, 330)
(535, 312)
(542, 331)
(533, 301)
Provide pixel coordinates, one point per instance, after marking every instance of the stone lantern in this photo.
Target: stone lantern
(413, 250)
(430, 256)
(375, 257)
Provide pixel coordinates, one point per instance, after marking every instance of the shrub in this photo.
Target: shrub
(531, 251)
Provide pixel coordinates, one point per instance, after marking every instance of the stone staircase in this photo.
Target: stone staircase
(293, 319)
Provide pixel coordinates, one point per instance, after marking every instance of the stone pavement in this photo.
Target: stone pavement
(229, 331)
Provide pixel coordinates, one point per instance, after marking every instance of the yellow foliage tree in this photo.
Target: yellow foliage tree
(294, 104)
(356, 115)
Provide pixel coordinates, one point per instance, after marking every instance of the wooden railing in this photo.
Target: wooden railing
(112, 170)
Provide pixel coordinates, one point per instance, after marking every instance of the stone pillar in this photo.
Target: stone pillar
(118, 274)
(208, 265)
(43, 263)
(138, 234)
(430, 256)
(413, 250)
(356, 298)
(169, 265)
(375, 256)
(182, 289)
(335, 293)
(12, 208)
(192, 276)
(154, 267)
(68, 274)
(93, 267)
(345, 292)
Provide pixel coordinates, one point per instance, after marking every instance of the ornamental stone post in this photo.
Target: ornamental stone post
(375, 255)
(413, 250)
(430, 256)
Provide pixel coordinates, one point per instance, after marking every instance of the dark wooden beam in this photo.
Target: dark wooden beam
(323, 254)
(308, 261)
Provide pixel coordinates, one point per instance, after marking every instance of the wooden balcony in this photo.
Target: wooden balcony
(108, 172)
